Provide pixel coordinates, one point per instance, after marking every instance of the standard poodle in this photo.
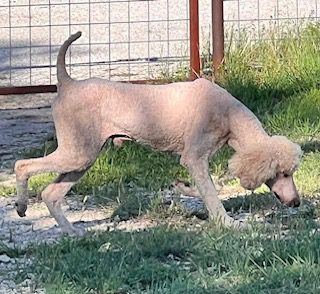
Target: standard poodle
(192, 119)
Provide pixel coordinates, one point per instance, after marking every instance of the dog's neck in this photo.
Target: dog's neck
(240, 143)
(245, 130)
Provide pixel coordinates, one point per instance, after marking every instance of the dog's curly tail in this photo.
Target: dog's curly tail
(62, 74)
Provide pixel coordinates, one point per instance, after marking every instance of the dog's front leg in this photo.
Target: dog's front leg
(199, 170)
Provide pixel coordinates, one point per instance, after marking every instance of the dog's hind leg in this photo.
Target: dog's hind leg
(53, 194)
(59, 162)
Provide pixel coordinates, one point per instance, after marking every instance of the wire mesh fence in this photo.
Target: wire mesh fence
(121, 39)
(262, 20)
(127, 39)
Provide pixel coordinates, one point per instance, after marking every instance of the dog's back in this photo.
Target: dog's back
(158, 115)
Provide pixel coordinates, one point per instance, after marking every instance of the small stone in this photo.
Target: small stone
(25, 222)
(25, 283)
(117, 219)
(105, 247)
(4, 258)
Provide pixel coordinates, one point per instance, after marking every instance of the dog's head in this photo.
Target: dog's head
(272, 163)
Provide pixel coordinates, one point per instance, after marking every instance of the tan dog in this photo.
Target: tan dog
(192, 119)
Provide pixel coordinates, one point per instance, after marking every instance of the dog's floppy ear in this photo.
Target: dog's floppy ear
(287, 153)
(253, 166)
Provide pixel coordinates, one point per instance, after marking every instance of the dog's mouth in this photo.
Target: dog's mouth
(292, 203)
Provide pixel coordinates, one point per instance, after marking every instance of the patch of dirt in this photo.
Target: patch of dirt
(39, 227)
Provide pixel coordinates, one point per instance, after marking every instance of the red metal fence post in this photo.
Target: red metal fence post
(18, 90)
(217, 34)
(194, 39)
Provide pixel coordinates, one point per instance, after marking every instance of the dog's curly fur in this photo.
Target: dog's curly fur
(259, 162)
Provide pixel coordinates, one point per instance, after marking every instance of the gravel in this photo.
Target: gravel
(39, 227)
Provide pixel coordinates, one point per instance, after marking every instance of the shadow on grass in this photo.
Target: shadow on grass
(178, 258)
(251, 202)
(312, 146)
(133, 203)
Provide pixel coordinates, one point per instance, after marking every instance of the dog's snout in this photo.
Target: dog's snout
(296, 203)
(293, 203)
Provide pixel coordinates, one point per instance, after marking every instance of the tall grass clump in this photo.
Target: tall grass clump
(263, 73)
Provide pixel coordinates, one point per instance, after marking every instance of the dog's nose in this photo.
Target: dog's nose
(294, 203)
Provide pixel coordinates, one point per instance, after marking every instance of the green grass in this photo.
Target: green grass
(298, 116)
(266, 73)
(182, 259)
(279, 81)
(6, 190)
(139, 164)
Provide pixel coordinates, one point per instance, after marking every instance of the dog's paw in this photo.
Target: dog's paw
(21, 208)
(229, 222)
(185, 188)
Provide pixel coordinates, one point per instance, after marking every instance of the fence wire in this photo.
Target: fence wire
(267, 19)
(121, 39)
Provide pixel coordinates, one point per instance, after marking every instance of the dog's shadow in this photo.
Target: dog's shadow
(264, 205)
(311, 146)
(272, 211)
(266, 208)
(251, 202)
